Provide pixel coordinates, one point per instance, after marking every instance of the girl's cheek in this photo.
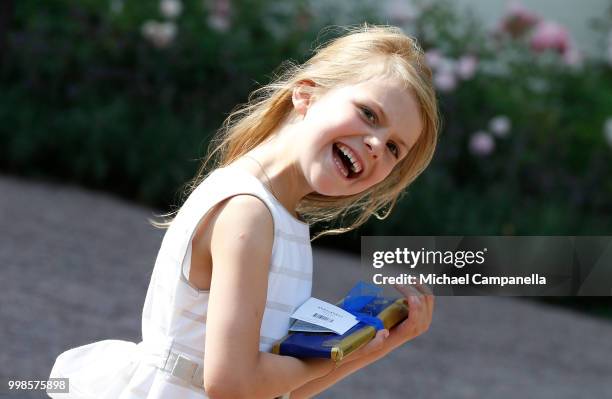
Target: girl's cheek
(381, 174)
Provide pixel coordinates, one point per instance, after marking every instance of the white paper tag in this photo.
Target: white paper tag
(321, 313)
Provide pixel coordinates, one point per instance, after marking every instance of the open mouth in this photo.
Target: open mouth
(346, 161)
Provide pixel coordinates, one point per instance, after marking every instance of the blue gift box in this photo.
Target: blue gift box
(373, 312)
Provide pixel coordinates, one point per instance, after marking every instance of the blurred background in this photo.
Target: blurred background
(122, 97)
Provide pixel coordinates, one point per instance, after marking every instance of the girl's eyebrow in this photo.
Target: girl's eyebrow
(384, 120)
(380, 111)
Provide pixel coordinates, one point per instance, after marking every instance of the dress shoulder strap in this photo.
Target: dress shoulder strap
(220, 185)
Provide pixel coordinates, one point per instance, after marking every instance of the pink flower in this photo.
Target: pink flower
(466, 66)
(549, 35)
(573, 57)
(481, 144)
(445, 81)
(518, 20)
(219, 17)
(433, 58)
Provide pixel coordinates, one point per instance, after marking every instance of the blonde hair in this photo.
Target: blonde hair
(345, 60)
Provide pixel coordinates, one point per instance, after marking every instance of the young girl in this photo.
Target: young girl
(343, 134)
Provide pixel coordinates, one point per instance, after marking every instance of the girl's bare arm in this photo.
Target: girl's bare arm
(241, 245)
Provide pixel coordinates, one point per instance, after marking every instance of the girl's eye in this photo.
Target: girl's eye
(369, 114)
(393, 148)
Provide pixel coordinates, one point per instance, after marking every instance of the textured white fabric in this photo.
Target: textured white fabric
(174, 314)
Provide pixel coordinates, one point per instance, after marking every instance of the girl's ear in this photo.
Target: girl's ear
(302, 96)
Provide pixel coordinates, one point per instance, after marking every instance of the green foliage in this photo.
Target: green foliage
(88, 97)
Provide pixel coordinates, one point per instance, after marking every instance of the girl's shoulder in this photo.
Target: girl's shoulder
(241, 215)
(240, 205)
(240, 227)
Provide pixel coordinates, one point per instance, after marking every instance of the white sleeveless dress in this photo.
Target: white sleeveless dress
(167, 363)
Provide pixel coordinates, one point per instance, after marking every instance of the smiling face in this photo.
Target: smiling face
(353, 136)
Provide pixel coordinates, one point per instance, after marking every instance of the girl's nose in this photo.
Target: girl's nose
(374, 146)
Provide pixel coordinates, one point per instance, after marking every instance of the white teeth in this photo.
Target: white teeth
(341, 166)
(355, 165)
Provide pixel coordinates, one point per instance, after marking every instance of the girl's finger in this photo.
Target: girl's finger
(377, 342)
(424, 289)
(415, 307)
(420, 309)
(407, 290)
(403, 289)
(428, 296)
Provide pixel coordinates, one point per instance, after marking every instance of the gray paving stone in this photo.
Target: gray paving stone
(75, 265)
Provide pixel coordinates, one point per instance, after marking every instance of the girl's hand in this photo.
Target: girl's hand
(373, 347)
(420, 303)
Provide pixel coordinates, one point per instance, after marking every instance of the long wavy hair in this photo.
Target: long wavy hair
(362, 53)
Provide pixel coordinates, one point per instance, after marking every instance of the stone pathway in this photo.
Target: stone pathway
(75, 265)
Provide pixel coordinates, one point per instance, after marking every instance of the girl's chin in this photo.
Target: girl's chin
(328, 187)
(331, 187)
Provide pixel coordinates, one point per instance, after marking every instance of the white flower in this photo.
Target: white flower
(500, 126)
(161, 34)
(466, 67)
(608, 131)
(445, 81)
(481, 144)
(219, 22)
(171, 8)
(148, 28)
